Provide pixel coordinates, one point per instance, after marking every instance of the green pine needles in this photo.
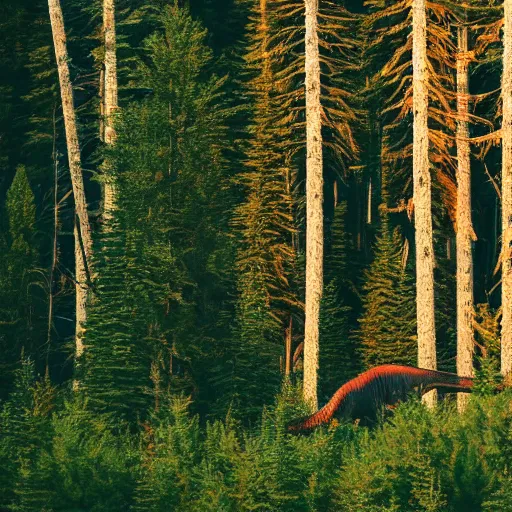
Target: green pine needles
(153, 293)
(117, 339)
(57, 455)
(20, 301)
(388, 323)
(339, 358)
(264, 224)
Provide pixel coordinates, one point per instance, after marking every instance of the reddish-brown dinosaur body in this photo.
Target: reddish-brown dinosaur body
(363, 396)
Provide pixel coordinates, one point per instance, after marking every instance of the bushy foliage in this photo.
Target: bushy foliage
(20, 304)
(60, 459)
(170, 448)
(25, 432)
(225, 467)
(168, 167)
(115, 373)
(487, 341)
(200, 272)
(429, 461)
(388, 323)
(93, 460)
(67, 457)
(339, 358)
(264, 227)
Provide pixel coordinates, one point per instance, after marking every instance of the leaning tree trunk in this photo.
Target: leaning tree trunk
(465, 342)
(506, 198)
(81, 295)
(314, 206)
(422, 198)
(109, 97)
(83, 238)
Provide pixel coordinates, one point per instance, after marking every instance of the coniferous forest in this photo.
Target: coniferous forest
(214, 213)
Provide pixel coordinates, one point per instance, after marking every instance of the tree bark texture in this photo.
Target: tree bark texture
(506, 198)
(81, 295)
(465, 341)
(314, 207)
(83, 230)
(422, 198)
(288, 348)
(110, 95)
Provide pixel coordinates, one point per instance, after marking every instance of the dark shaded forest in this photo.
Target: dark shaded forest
(214, 213)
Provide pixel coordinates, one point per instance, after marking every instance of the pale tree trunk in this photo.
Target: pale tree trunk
(465, 342)
(422, 198)
(506, 198)
(83, 231)
(80, 304)
(288, 348)
(110, 97)
(314, 210)
(81, 294)
(102, 103)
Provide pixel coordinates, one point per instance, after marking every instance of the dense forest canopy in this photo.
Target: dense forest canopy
(213, 213)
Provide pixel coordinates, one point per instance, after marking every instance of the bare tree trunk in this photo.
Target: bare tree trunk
(102, 103)
(422, 198)
(80, 304)
(506, 198)
(465, 342)
(81, 295)
(110, 96)
(288, 348)
(111, 101)
(314, 206)
(83, 231)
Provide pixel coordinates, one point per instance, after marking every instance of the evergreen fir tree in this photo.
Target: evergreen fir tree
(24, 432)
(252, 375)
(118, 330)
(43, 99)
(168, 167)
(339, 360)
(265, 228)
(19, 308)
(387, 326)
(21, 212)
(16, 28)
(171, 451)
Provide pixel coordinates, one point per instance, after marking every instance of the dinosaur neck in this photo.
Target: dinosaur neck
(324, 414)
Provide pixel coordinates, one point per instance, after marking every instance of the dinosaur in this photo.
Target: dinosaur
(363, 397)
